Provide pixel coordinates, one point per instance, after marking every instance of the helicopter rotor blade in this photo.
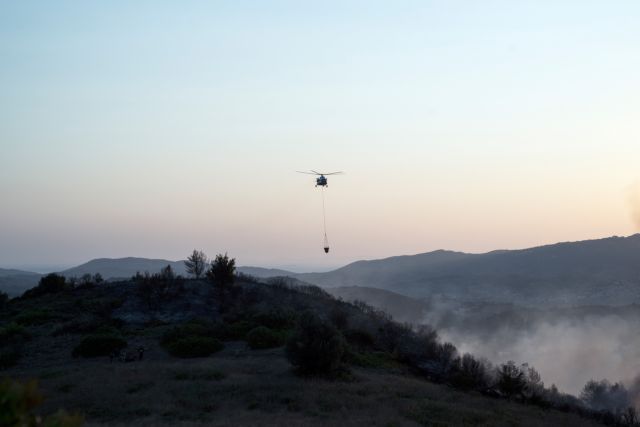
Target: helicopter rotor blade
(308, 173)
(334, 173)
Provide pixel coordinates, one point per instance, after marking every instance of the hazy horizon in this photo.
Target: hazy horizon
(296, 268)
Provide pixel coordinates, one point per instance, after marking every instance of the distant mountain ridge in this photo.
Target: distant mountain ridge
(121, 268)
(602, 271)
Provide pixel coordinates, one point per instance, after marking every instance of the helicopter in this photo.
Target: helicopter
(321, 180)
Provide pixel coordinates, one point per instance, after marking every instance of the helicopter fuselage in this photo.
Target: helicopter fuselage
(321, 181)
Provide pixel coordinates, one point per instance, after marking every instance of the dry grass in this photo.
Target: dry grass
(239, 386)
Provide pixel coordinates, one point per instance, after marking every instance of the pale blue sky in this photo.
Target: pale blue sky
(152, 128)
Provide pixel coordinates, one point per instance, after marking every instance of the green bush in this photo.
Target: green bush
(196, 338)
(188, 329)
(194, 346)
(373, 359)
(316, 347)
(13, 332)
(276, 318)
(12, 338)
(35, 317)
(262, 337)
(238, 330)
(101, 343)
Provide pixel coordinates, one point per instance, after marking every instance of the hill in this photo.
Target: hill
(604, 271)
(15, 282)
(390, 376)
(121, 268)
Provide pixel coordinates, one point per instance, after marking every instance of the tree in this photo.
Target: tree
(156, 288)
(222, 271)
(49, 284)
(511, 379)
(196, 263)
(222, 274)
(604, 396)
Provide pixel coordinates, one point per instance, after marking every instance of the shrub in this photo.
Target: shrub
(263, 337)
(371, 359)
(194, 346)
(316, 347)
(154, 289)
(196, 338)
(12, 338)
(4, 299)
(470, 373)
(189, 329)
(35, 317)
(13, 332)
(360, 339)
(49, 284)
(238, 330)
(276, 318)
(101, 343)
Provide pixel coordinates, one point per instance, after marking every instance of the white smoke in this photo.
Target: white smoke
(568, 353)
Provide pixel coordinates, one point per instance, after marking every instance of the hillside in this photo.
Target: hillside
(238, 385)
(604, 271)
(15, 282)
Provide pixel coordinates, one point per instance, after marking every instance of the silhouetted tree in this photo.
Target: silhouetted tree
(49, 284)
(604, 396)
(222, 274)
(156, 288)
(97, 278)
(222, 270)
(196, 263)
(534, 387)
(511, 379)
(470, 373)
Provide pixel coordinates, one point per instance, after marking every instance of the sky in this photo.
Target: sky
(151, 128)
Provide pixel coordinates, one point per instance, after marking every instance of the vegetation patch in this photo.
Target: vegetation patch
(101, 343)
(12, 339)
(35, 317)
(194, 346)
(263, 337)
(316, 347)
(276, 318)
(13, 332)
(371, 359)
(196, 338)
